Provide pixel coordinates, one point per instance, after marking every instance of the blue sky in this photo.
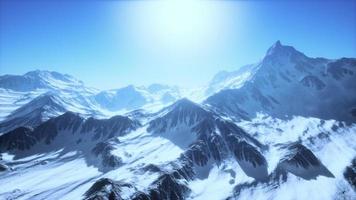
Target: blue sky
(110, 44)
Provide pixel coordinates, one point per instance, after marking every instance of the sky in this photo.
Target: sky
(110, 44)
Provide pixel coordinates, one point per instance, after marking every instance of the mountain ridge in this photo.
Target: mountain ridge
(286, 74)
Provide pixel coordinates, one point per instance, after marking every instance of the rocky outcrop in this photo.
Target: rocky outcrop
(169, 185)
(107, 189)
(300, 161)
(250, 160)
(103, 151)
(99, 130)
(115, 126)
(313, 82)
(350, 174)
(183, 112)
(20, 138)
(4, 167)
(216, 138)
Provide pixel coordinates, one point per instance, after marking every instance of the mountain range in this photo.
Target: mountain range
(281, 128)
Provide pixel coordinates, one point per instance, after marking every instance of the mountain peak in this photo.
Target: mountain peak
(280, 50)
(182, 105)
(184, 102)
(278, 43)
(275, 48)
(182, 113)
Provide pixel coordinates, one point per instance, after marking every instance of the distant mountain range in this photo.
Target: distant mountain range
(36, 96)
(283, 128)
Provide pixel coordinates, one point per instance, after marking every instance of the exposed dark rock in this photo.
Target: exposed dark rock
(313, 82)
(103, 150)
(251, 161)
(350, 174)
(4, 167)
(182, 112)
(151, 168)
(338, 70)
(107, 189)
(20, 138)
(198, 153)
(216, 138)
(141, 196)
(24, 138)
(169, 185)
(301, 162)
(115, 126)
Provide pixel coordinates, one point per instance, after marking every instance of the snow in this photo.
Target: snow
(11, 100)
(156, 149)
(220, 182)
(67, 176)
(335, 153)
(63, 178)
(230, 80)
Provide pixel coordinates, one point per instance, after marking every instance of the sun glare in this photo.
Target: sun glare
(178, 24)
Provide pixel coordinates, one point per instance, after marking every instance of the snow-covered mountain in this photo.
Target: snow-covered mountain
(46, 106)
(40, 79)
(278, 129)
(36, 96)
(130, 98)
(34, 113)
(287, 83)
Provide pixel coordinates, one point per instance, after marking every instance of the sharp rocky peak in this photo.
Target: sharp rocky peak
(278, 49)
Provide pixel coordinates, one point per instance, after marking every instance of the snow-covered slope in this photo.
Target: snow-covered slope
(287, 83)
(33, 113)
(11, 100)
(230, 80)
(332, 142)
(184, 151)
